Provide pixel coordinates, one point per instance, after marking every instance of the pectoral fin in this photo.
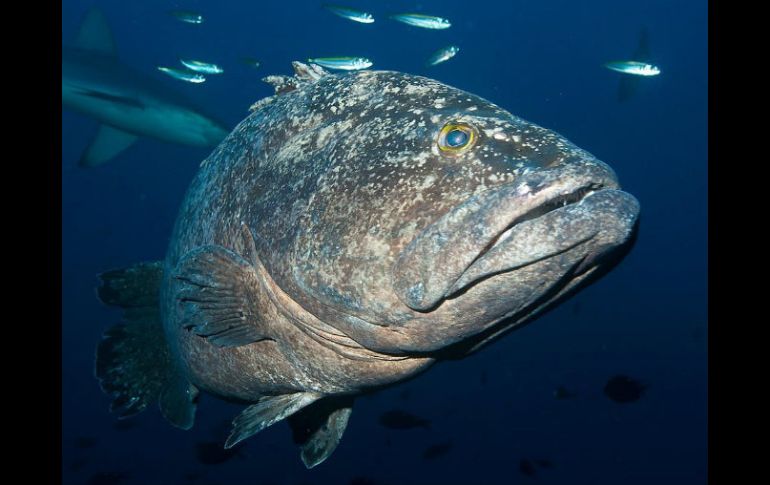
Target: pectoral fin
(268, 410)
(216, 291)
(107, 143)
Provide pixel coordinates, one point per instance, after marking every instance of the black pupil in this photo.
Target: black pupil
(456, 138)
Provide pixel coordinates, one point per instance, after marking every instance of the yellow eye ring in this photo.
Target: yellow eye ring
(456, 138)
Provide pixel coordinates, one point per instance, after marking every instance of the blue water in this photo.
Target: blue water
(541, 60)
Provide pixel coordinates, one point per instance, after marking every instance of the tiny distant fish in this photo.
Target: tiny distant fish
(204, 67)
(423, 21)
(211, 453)
(633, 67)
(183, 75)
(250, 61)
(624, 389)
(526, 467)
(443, 55)
(397, 419)
(188, 16)
(562, 392)
(437, 450)
(344, 63)
(350, 14)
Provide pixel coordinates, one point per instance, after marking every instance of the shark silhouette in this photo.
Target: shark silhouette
(128, 103)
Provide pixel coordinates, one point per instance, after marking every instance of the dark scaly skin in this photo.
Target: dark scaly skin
(337, 178)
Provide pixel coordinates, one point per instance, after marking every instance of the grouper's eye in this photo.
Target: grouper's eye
(456, 138)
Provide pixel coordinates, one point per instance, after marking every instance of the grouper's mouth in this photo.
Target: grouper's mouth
(540, 216)
(556, 203)
(588, 218)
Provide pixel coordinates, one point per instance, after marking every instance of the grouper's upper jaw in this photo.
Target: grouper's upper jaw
(504, 250)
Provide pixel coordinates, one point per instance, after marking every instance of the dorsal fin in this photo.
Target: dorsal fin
(281, 84)
(308, 72)
(95, 35)
(303, 74)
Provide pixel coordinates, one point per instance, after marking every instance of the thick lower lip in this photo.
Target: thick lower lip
(556, 203)
(537, 235)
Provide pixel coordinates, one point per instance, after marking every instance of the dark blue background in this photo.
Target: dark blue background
(541, 60)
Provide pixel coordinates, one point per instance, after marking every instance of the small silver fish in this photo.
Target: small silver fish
(188, 16)
(633, 67)
(344, 63)
(204, 67)
(250, 61)
(183, 75)
(443, 55)
(424, 21)
(350, 14)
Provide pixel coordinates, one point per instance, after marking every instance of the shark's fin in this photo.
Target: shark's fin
(95, 34)
(107, 143)
(268, 410)
(318, 428)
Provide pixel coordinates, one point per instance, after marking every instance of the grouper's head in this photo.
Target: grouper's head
(434, 218)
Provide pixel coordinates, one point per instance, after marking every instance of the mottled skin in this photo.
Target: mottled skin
(375, 251)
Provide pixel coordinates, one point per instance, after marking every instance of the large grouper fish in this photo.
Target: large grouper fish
(352, 231)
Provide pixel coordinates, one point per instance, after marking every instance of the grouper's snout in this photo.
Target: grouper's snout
(543, 213)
